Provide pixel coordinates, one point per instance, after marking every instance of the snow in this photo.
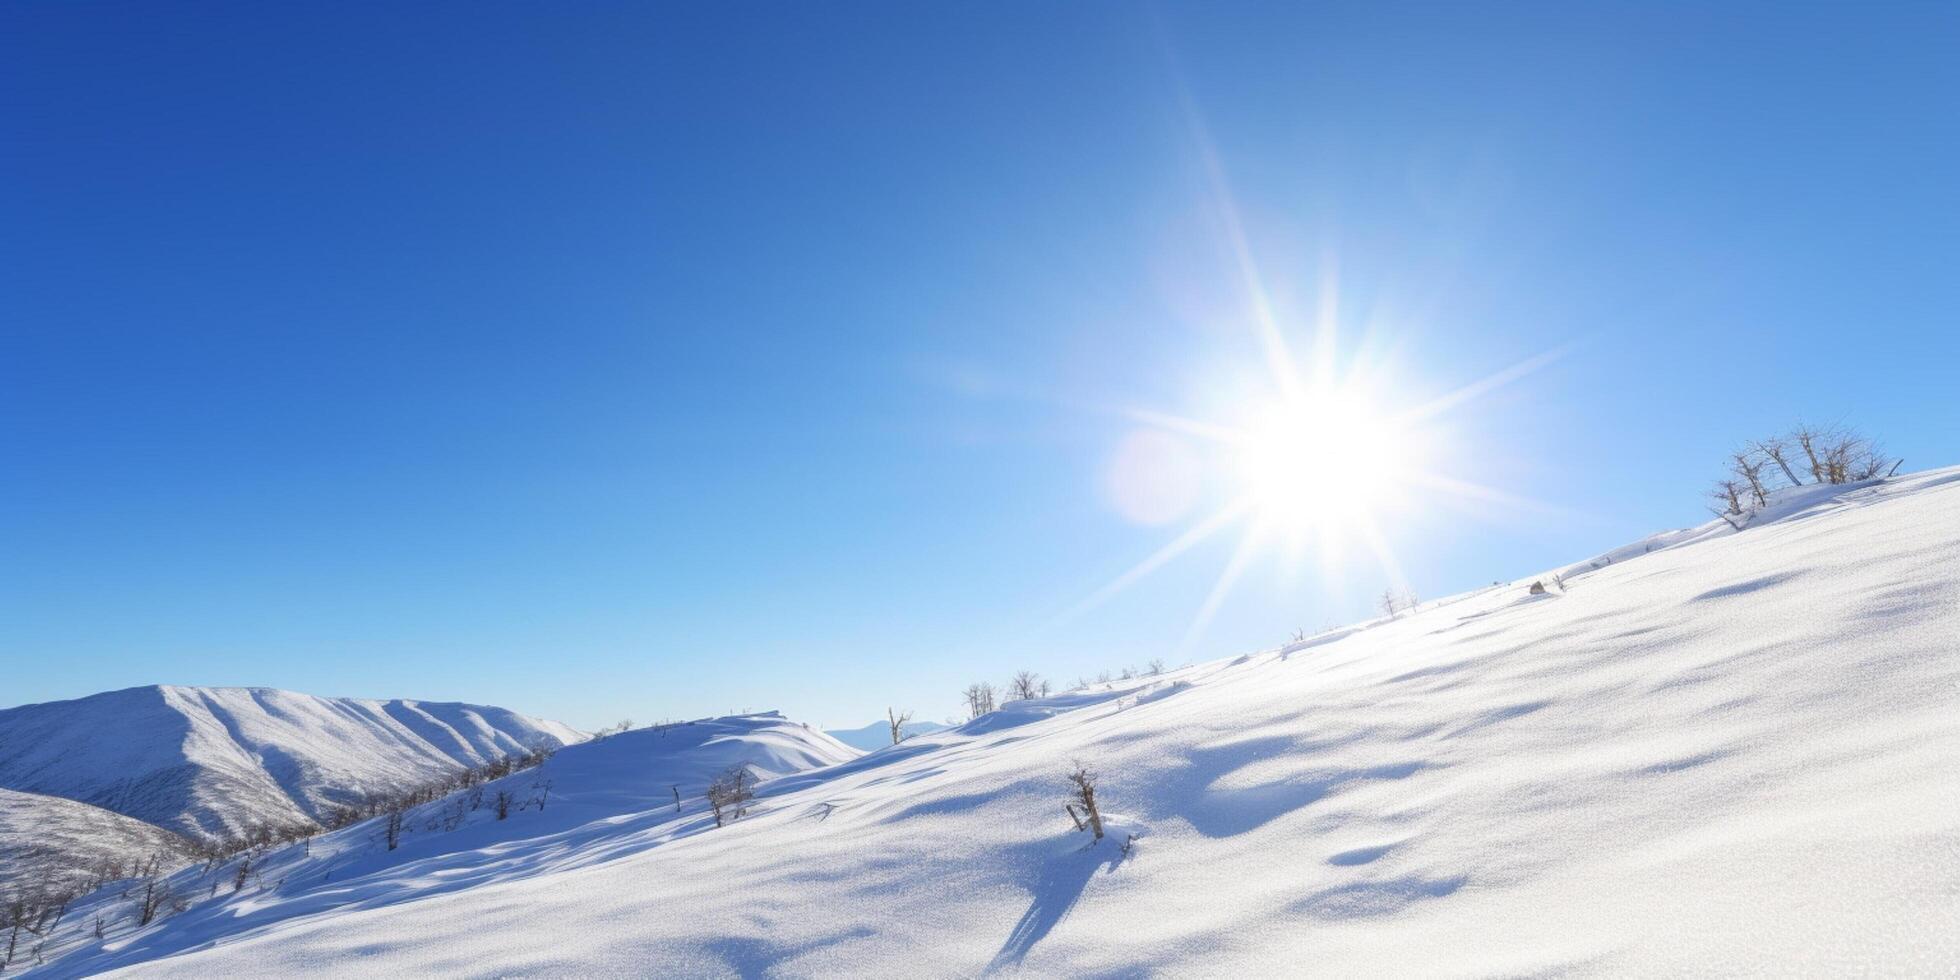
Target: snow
(1732, 753)
(210, 761)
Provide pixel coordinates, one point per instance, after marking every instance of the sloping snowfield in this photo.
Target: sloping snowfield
(1738, 753)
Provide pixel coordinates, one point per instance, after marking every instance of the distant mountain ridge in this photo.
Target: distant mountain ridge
(207, 762)
(878, 734)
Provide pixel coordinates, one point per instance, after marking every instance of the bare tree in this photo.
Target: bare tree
(1388, 603)
(1750, 468)
(501, 803)
(1082, 792)
(1156, 665)
(1777, 450)
(16, 912)
(979, 699)
(156, 895)
(391, 828)
(1728, 499)
(1809, 440)
(897, 720)
(1024, 685)
(729, 793)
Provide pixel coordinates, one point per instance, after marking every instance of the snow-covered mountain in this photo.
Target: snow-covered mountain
(211, 761)
(53, 844)
(878, 734)
(1717, 752)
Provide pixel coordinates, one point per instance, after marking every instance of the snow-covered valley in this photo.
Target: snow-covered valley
(1710, 752)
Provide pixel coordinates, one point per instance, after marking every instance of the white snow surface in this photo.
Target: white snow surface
(1733, 753)
(205, 761)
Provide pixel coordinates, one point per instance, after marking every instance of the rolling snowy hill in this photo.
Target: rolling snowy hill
(51, 843)
(1718, 752)
(211, 761)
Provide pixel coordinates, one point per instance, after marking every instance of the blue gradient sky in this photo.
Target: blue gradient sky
(612, 360)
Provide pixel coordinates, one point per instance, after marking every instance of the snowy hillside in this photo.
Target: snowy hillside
(1729, 753)
(590, 804)
(49, 842)
(205, 761)
(878, 734)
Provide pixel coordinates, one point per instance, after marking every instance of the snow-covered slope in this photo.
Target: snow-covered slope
(589, 804)
(1736, 753)
(878, 734)
(49, 844)
(209, 761)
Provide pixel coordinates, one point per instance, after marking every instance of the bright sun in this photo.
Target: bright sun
(1323, 460)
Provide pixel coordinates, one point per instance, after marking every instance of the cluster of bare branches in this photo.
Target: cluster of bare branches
(35, 914)
(982, 697)
(1104, 678)
(405, 798)
(1830, 455)
(979, 699)
(1394, 601)
(729, 794)
(30, 913)
(1082, 793)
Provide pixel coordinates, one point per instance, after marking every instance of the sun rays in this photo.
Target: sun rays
(1318, 454)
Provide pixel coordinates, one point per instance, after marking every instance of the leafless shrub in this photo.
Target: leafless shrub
(1728, 503)
(729, 794)
(1156, 666)
(501, 803)
(1831, 454)
(1082, 793)
(1024, 685)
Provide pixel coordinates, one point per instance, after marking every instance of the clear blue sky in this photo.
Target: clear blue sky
(652, 360)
